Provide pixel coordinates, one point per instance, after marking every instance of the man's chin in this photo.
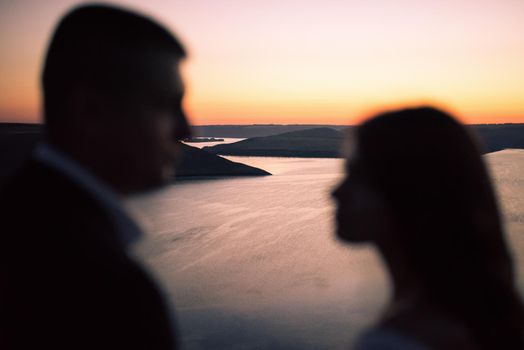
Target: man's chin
(153, 184)
(168, 174)
(348, 235)
(166, 178)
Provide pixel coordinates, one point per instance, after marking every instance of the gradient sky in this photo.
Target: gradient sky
(288, 61)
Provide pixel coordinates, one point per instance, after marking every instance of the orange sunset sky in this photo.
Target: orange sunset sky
(314, 62)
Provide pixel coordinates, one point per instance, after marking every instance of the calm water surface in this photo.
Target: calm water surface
(252, 263)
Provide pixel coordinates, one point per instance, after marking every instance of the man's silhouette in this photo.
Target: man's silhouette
(113, 115)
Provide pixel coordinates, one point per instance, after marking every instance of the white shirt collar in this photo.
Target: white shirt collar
(128, 230)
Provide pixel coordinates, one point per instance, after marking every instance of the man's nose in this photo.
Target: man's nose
(336, 192)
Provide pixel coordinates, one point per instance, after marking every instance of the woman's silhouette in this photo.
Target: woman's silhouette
(417, 188)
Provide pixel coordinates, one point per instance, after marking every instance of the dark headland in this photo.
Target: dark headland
(18, 140)
(196, 162)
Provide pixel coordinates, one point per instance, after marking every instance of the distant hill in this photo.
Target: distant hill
(315, 143)
(325, 142)
(256, 130)
(496, 137)
(18, 140)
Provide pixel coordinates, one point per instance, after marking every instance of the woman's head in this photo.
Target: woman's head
(416, 178)
(419, 170)
(416, 184)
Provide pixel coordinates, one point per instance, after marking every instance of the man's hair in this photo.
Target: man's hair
(103, 49)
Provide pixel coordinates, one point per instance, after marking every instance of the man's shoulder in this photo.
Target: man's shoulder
(38, 186)
(62, 266)
(46, 205)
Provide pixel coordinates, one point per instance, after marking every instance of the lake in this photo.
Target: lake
(252, 263)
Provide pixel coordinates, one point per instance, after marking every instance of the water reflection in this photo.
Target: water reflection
(253, 263)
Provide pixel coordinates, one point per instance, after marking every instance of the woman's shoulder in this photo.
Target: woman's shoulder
(416, 327)
(387, 339)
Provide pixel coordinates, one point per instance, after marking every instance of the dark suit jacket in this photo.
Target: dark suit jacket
(66, 281)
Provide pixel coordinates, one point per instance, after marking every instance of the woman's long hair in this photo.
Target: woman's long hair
(429, 169)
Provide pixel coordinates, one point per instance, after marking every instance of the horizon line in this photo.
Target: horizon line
(268, 124)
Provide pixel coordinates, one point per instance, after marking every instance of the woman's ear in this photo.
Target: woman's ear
(375, 212)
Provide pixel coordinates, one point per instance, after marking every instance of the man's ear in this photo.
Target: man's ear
(87, 107)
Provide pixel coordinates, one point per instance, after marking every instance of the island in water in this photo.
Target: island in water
(202, 139)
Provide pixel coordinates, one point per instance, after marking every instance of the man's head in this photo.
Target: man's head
(113, 95)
